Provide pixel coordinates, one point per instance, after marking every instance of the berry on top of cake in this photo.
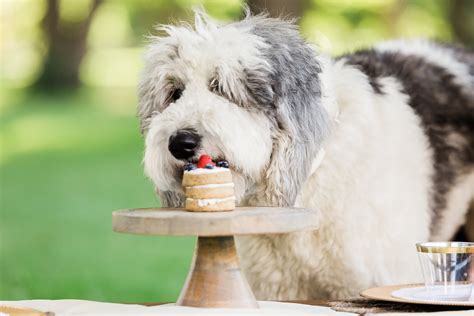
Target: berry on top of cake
(208, 186)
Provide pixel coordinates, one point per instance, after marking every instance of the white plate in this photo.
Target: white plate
(435, 294)
(384, 293)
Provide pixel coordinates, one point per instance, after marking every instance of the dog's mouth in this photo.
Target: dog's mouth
(215, 160)
(179, 168)
(219, 161)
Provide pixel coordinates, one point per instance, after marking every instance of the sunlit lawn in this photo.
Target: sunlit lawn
(67, 163)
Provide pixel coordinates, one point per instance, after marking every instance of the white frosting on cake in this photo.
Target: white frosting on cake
(205, 170)
(212, 185)
(206, 202)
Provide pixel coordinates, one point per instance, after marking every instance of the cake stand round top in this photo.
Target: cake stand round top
(241, 221)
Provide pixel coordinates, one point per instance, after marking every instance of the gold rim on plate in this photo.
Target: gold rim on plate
(445, 247)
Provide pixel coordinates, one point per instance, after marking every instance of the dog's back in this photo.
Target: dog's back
(439, 81)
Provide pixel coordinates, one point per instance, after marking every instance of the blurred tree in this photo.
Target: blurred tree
(67, 47)
(392, 14)
(145, 15)
(70, 28)
(461, 17)
(279, 8)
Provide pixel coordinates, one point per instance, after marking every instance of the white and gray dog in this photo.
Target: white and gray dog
(380, 141)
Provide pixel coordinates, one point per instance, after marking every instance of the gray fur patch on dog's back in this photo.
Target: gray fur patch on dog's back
(443, 106)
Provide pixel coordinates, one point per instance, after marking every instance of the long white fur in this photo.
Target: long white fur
(371, 188)
(226, 130)
(364, 236)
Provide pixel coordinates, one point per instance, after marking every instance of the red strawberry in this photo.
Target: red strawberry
(205, 160)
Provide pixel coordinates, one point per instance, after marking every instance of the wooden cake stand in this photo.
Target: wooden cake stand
(215, 278)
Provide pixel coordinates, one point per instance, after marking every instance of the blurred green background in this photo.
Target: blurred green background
(70, 145)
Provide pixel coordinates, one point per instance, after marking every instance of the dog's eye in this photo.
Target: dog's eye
(214, 85)
(176, 94)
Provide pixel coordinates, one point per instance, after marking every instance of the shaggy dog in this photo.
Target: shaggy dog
(381, 142)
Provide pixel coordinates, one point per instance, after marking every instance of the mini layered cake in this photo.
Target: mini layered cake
(208, 187)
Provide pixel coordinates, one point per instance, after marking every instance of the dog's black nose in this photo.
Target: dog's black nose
(183, 145)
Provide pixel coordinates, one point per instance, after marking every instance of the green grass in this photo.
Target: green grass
(67, 163)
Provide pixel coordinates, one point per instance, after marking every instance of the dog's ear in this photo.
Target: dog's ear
(293, 154)
(171, 199)
(300, 121)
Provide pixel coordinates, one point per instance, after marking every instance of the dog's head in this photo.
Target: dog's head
(247, 92)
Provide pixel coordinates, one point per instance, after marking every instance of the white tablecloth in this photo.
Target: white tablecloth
(80, 307)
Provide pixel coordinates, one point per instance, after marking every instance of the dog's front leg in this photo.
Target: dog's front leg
(266, 262)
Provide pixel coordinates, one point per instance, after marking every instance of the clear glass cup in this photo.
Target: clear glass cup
(448, 269)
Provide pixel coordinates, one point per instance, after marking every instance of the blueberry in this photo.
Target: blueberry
(209, 166)
(223, 164)
(189, 166)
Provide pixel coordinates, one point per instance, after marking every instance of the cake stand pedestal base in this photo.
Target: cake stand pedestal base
(215, 278)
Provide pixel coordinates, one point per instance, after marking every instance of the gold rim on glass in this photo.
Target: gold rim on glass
(445, 247)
